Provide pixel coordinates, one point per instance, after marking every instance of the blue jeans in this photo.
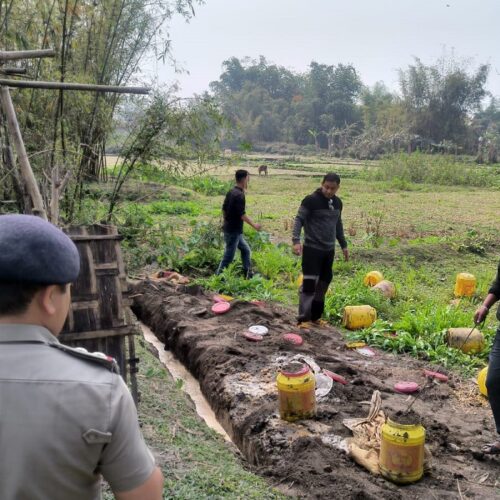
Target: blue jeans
(493, 380)
(234, 241)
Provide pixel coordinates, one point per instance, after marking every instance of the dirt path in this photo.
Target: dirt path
(238, 379)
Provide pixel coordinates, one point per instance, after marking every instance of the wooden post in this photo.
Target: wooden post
(17, 138)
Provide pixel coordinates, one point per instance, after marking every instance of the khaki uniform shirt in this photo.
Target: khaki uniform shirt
(64, 421)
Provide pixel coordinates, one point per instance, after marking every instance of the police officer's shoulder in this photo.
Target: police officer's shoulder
(98, 358)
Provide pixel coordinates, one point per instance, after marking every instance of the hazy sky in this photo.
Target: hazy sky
(376, 36)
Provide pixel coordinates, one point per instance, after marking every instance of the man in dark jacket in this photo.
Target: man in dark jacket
(493, 378)
(320, 214)
(233, 210)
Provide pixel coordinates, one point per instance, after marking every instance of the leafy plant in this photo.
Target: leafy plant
(230, 282)
(422, 341)
(208, 185)
(257, 239)
(277, 263)
(474, 242)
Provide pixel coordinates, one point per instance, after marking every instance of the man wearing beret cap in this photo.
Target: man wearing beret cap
(66, 417)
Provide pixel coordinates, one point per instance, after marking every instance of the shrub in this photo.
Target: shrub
(420, 168)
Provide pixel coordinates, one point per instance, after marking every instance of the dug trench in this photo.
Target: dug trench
(238, 378)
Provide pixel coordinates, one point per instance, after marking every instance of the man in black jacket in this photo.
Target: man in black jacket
(320, 214)
(234, 214)
(493, 378)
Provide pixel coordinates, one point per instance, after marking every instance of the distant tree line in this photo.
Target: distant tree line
(439, 108)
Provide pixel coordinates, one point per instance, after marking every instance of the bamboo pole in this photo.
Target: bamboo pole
(73, 86)
(17, 139)
(58, 185)
(13, 55)
(8, 70)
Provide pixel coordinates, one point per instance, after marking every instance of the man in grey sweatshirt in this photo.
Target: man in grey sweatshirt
(320, 214)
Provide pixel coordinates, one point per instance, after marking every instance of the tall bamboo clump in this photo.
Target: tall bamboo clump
(96, 42)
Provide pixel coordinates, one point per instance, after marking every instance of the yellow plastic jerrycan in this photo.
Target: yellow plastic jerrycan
(372, 278)
(465, 339)
(356, 317)
(481, 381)
(402, 452)
(465, 285)
(296, 386)
(299, 281)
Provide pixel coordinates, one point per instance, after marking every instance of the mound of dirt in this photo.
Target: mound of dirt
(238, 378)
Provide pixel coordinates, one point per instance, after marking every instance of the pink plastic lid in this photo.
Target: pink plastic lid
(252, 336)
(438, 376)
(221, 307)
(406, 387)
(293, 338)
(336, 377)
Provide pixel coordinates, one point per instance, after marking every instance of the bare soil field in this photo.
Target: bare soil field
(238, 379)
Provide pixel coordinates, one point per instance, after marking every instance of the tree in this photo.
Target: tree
(438, 99)
(169, 132)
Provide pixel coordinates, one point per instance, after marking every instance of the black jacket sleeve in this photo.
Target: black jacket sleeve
(495, 286)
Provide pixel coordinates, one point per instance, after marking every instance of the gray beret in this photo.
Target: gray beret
(35, 251)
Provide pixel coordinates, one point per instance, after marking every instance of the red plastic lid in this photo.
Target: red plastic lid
(336, 377)
(406, 387)
(299, 373)
(293, 338)
(221, 307)
(252, 336)
(438, 376)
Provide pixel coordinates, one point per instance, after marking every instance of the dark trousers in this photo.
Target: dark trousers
(493, 380)
(235, 241)
(318, 274)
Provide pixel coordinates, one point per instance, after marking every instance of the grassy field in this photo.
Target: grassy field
(418, 234)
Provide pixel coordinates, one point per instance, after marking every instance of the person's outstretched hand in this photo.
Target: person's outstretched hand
(480, 314)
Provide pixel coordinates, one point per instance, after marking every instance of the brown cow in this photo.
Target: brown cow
(263, 168)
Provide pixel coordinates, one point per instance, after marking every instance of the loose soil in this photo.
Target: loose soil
(238, 379)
